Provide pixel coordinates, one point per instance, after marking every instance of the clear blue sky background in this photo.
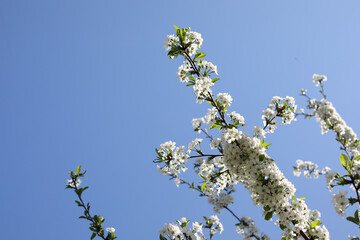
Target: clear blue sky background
(88, 82)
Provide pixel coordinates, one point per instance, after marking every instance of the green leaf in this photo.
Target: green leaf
(176, 28)
(357, 158)
(261, 157)
(78, 169)
(190, 83)
(315, 223)
(268, 216)
(215, 125)
(182, 35)
(203, 186)
(199, 55)
(266, 208)
(345, 162)
(162, 238)
(303, 198)
(215, 80)
(282, 227)
(354, 220)
(93, 236)
(356, 214)
(263, 144)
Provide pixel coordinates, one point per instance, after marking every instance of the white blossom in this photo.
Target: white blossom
(224, 98)
(259, 131)
(71, 184)
(340, 202)
(110, 229)
(318, 78)
(196, 123)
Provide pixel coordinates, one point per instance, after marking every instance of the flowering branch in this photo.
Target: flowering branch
(244, 158)
(95, 221)
(330, 120)
(240, 220)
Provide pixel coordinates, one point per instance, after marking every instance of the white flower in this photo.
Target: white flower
(259, 131)
(194, 143)
(110, 229)
(211, 116)
(214, 219)
(340, 202)
(318, 78)
(231, 135)
(196, 123)
(171, 230)
(202, 87)
(215, 143)
(208, 66)
(330, 177)
(237, 118)
(177, 182)
(71, 184)
(170, 41)
(197, 227)
(224, 98)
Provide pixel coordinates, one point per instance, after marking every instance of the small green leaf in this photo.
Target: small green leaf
(351, 219)
(215, 80)
(182, 35)
(315, 223)
(93, 236)
(282, 227)
(176, 28)
(345, 162)
(78, 169)
(199, 55)
(190, 84)
(214, 126)
(357, 158)
(261, 157)
(268, 216)
(203, 186)
(162, 238)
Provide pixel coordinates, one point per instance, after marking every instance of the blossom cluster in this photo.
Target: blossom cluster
(340, 202)
(72, 184)
(250, 165)
(318, 79)
(248, 230)
(279, 107)
(309, 168)
(185, 40)
(181, 231)
(330, 120)
(173, 157)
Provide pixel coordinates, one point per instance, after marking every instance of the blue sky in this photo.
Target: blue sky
(88, 82)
